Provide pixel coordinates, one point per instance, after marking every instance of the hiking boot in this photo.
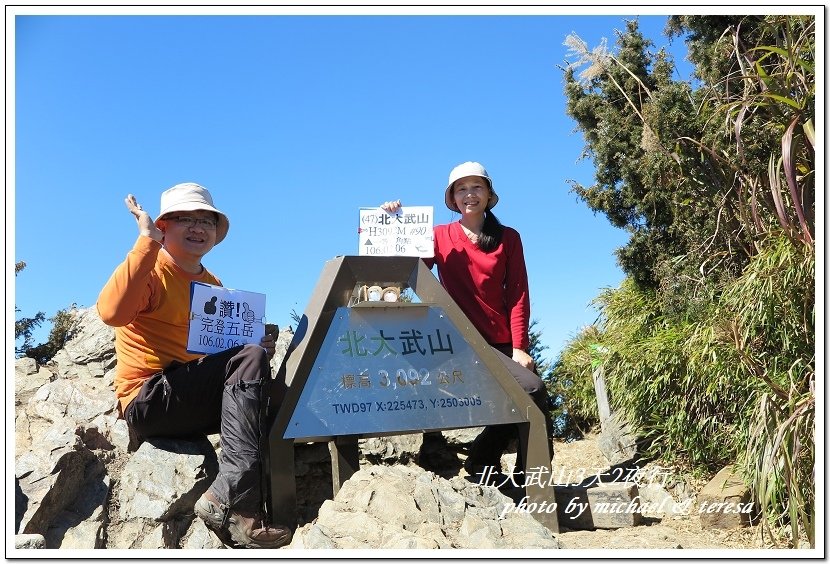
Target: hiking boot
(212, 513)
(240, 528)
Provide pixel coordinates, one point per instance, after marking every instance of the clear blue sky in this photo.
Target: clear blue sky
(294, 123)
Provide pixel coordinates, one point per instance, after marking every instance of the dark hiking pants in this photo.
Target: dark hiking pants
(494, 439)
(220, 392)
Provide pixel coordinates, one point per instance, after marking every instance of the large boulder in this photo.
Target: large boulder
(396, 507)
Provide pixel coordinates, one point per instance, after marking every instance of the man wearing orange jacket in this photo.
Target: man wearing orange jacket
(165, 391)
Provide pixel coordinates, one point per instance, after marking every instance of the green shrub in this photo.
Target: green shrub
(570, 383)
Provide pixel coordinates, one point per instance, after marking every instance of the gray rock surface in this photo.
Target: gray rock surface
(617, 441)
(394, 507)
(77, 486)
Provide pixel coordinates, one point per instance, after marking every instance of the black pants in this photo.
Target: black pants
(220, 392)
(494, 439)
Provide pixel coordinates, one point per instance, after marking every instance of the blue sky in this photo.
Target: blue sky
(294, 123)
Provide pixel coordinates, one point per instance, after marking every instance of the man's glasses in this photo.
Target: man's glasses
(207, 223)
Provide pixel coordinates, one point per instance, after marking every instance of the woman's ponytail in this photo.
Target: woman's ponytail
(491, 232)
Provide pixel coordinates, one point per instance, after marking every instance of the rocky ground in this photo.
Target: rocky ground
(682, 531)
(580, 458)
(78, 487)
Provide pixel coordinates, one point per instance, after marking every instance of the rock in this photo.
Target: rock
(90, 351)
(392, 449)
(70, 399)
(573, 507)
(164, 478)
(77, 486)
(656, 501)
(281, 348)
(616, 441)
(200, 537)
(461, 437)
(312, 468)
(105, 432)
(29, 541)
(615, 505)
(724, 501)
(51, 477)
(28, 378)
(82, 523)
(23, 367)
(409, 507)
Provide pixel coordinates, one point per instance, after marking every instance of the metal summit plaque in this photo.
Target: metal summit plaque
(398, 368)
(364, 367)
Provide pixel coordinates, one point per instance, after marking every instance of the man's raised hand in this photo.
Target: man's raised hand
(145, 222)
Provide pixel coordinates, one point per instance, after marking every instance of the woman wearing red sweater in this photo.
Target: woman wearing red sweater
(481, 265)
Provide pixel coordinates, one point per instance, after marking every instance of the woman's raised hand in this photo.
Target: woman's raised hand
(391, 207)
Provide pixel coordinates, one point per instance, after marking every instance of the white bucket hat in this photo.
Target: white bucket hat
(190, 196)
(469, 169)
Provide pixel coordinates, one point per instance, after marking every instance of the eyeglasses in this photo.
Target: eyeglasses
(207, 223)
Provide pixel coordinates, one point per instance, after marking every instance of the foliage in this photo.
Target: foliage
(711, 339)
(631, 113)
(536, 347)
(697, 177)
(568, 408)
(61, 331)
(570, 382)
(766, 96)
(296, 318)
(25, 326)
(675, 382)
(58, 334)
(760, 102)
(773, 330)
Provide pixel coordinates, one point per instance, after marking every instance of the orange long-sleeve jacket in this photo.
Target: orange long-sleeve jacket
(147, 300)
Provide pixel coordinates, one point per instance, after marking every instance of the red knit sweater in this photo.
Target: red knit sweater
(490, 288)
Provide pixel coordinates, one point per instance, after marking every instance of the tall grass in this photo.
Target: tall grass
(734, 384)
(570, 382)
(675, 379)
(774, 335)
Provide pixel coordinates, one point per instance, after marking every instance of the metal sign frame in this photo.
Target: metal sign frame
(334, 289)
